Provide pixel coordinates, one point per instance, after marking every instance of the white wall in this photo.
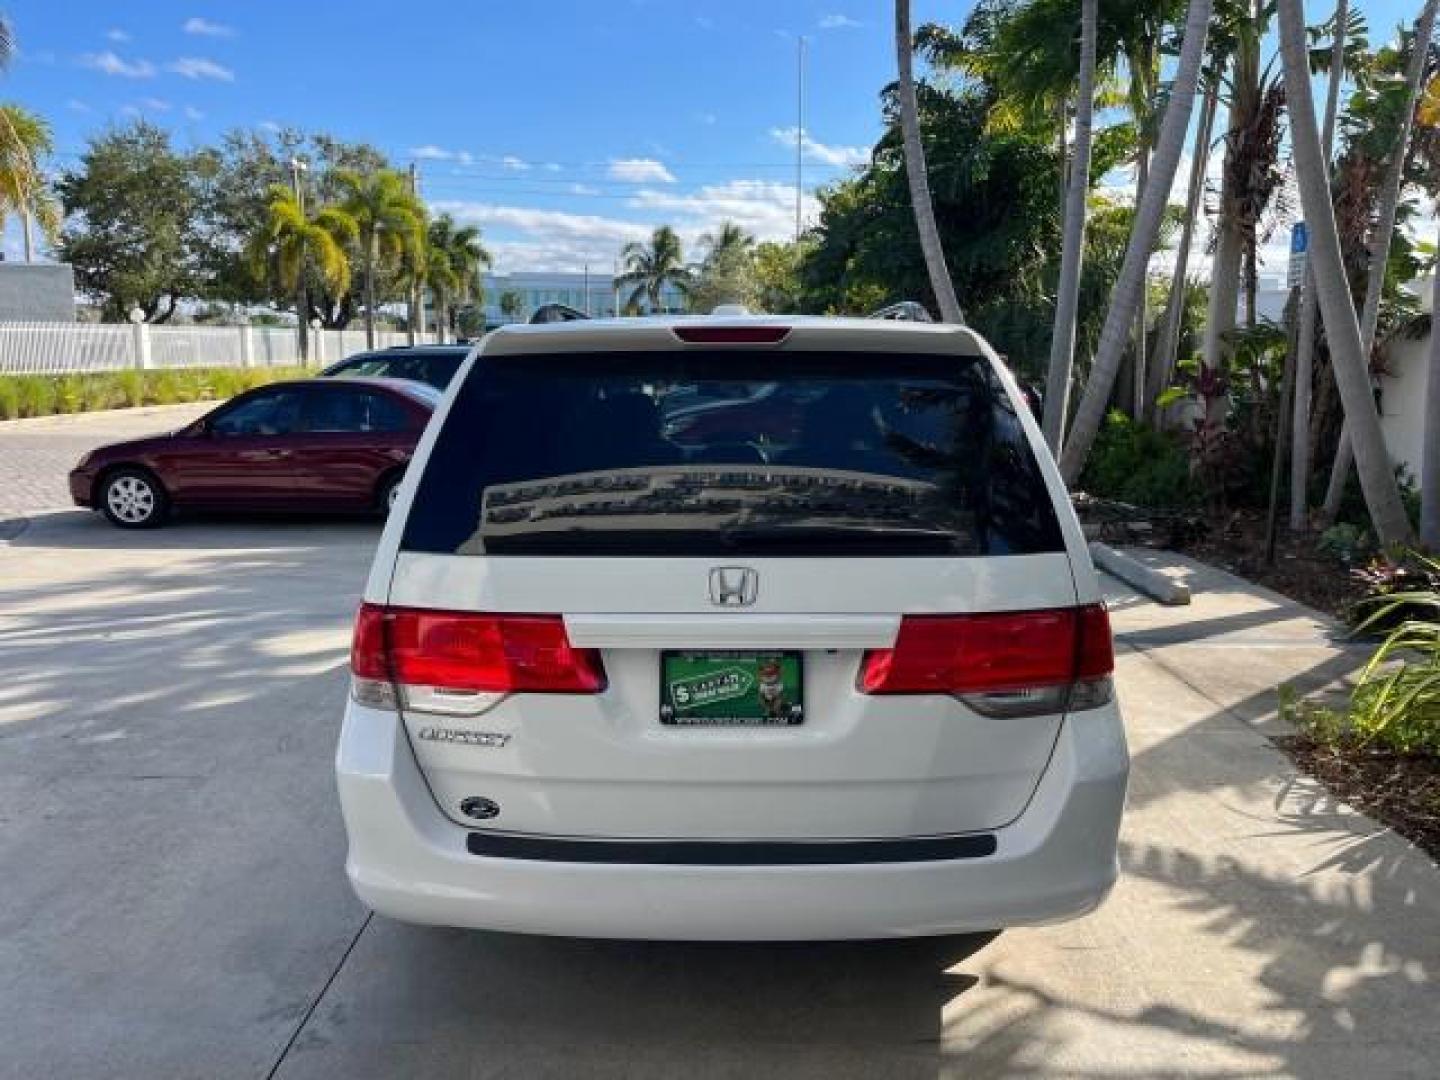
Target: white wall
(1402, 395)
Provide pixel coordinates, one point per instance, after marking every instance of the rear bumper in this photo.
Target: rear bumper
(408, 861)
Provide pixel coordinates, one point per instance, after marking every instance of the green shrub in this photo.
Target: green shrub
(42, 395)
(1397, 700)
(37, 395)
(129, 388)
(1137, 464)
(9, 399)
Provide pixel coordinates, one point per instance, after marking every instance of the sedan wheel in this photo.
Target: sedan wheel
(133, 500)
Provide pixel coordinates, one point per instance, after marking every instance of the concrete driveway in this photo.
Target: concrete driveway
(173, 902)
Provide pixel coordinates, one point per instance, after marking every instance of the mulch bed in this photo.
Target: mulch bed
(1399, 790)
(1301, 571)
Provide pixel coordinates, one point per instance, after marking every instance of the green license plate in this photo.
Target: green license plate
(756, 689)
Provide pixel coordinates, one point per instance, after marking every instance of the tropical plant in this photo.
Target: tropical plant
(649, 268)
(455, 262)
(390, 221)
(1382, 236)
(1396, 702)
(292, 239)
(727, 273)
(1342, 328)
(7, 42)
(511, 305)
(728, 239)
(25, 140)
(917, 174)
(1125, 301)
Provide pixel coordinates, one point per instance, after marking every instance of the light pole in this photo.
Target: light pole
(799, 128)
(302, 299)
(417, 313)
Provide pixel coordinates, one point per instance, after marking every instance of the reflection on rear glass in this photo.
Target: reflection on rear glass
(732, 453)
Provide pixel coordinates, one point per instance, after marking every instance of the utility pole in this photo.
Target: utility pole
(799, 128)
(302, 299)
(587, 288)
(417, 299)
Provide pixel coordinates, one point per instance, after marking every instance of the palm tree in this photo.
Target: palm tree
(1162, 367)
(1305, 347)
(729, 239)
(1067, 296)
(917, 174)
(390, 222)
(1342, 328)
(7, 42)
(290, 241)
(25, 140)
(1388, 205)
(455, 260)
(1124, 301)
(650, 267)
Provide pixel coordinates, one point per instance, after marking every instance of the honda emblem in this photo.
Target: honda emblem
(733, 586)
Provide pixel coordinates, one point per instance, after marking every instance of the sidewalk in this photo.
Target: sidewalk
(37, 453)
(1260, 927)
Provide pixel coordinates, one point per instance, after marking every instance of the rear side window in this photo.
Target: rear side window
(732, 454)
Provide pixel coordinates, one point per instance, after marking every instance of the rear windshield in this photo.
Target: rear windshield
(732, 453)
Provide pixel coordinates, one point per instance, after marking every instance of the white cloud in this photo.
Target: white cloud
(111, 64)
(197, 67)
(430, 152)
(551, 166)
(118, 36)
(154, 104)
(639, 171)
(270, 126)
(704, 22)
(821, 152)
(838, 22)
(528, 238)
(75, 105)
(205, 28)
(515, 164)
(762, 207)
(192, 113)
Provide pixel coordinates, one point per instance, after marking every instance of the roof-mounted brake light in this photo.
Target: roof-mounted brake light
(732, 335)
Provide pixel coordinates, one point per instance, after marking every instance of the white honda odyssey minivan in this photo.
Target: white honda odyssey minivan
(732, 628)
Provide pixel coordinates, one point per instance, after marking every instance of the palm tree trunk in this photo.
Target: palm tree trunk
(1430, 452)
(1305, 353)
(1125, 299)
(370, 291)
(1389, 204)
(1067, 294)
(1163, 363)
(1382, 494)
(442, 315)
(1225, 267)
(1142, 312)
(917, 173)
(26, 228)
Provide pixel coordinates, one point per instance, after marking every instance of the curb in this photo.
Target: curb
(102, 414)
(1134, 573)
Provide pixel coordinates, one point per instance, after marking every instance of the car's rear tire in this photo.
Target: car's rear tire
(133, 498)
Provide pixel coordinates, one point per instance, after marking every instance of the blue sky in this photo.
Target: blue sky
(564, 128)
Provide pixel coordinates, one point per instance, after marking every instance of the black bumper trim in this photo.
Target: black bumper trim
(731, 852)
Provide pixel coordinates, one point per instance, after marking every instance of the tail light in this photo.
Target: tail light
(1013, 663)
(460, 663)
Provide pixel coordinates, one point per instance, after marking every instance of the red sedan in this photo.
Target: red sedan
(310, 445)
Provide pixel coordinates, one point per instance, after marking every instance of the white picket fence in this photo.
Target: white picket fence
(28, 348)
